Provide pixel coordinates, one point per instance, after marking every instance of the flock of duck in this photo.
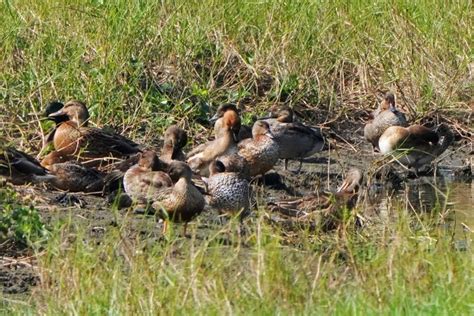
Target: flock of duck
(89, 159)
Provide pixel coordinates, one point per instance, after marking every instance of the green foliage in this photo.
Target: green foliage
(19, 223)
(396, 270)
(149, 63)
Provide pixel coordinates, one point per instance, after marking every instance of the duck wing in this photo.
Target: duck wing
(99, 141)
(23, 162)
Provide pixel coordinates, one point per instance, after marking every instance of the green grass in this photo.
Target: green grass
(142, 65)
(133, 62)
(394, 270)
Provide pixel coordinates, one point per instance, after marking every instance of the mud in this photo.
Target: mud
(324, 171)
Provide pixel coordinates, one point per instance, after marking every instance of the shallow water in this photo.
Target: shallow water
(445, 200)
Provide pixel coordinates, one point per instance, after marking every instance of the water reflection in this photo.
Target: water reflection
(452, 201)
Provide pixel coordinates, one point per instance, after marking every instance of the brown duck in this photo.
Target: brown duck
(242, 131)
(145, 181)
(385, 116)
(74, 177)
(261, 152)
(182, 202)
(73, 136)
(199, 161)
(175, 139)
(415, 146)
(295, 140)
(323, 208)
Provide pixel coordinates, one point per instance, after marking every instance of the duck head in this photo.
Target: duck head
(388, 102)
(231, 122)
(175, 138)
(222, 109)
(283, 114)
(53, 107)
(216, 166)
(352, 182)
(74, 111)
(261, 128)
(178, 170)
(149, 161)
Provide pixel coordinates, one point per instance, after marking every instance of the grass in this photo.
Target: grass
(143, 65)
(402, 267)
(132, 63)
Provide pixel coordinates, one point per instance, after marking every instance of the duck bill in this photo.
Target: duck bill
(58, 116)
(214, 118)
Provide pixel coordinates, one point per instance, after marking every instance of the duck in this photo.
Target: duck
(415, 146)
(242, 131)
(228, 192)
(296, 140)
(73, 136)
(181, 202)
(384, 116)
(199, 160)
(261, 152)
(145, 181)
(52, 107)
(175, 139)
(18, 167)
(74, 177)
(325, 207)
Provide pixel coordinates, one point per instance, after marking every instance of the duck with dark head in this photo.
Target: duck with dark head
(74, 138)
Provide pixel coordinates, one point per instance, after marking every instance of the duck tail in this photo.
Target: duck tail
(113, 181)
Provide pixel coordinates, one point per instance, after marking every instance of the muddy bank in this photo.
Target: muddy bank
(324, 171)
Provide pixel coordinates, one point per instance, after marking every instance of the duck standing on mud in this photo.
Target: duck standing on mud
(415, 146)
(296, 140)
(384, 116)
(74, 138)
